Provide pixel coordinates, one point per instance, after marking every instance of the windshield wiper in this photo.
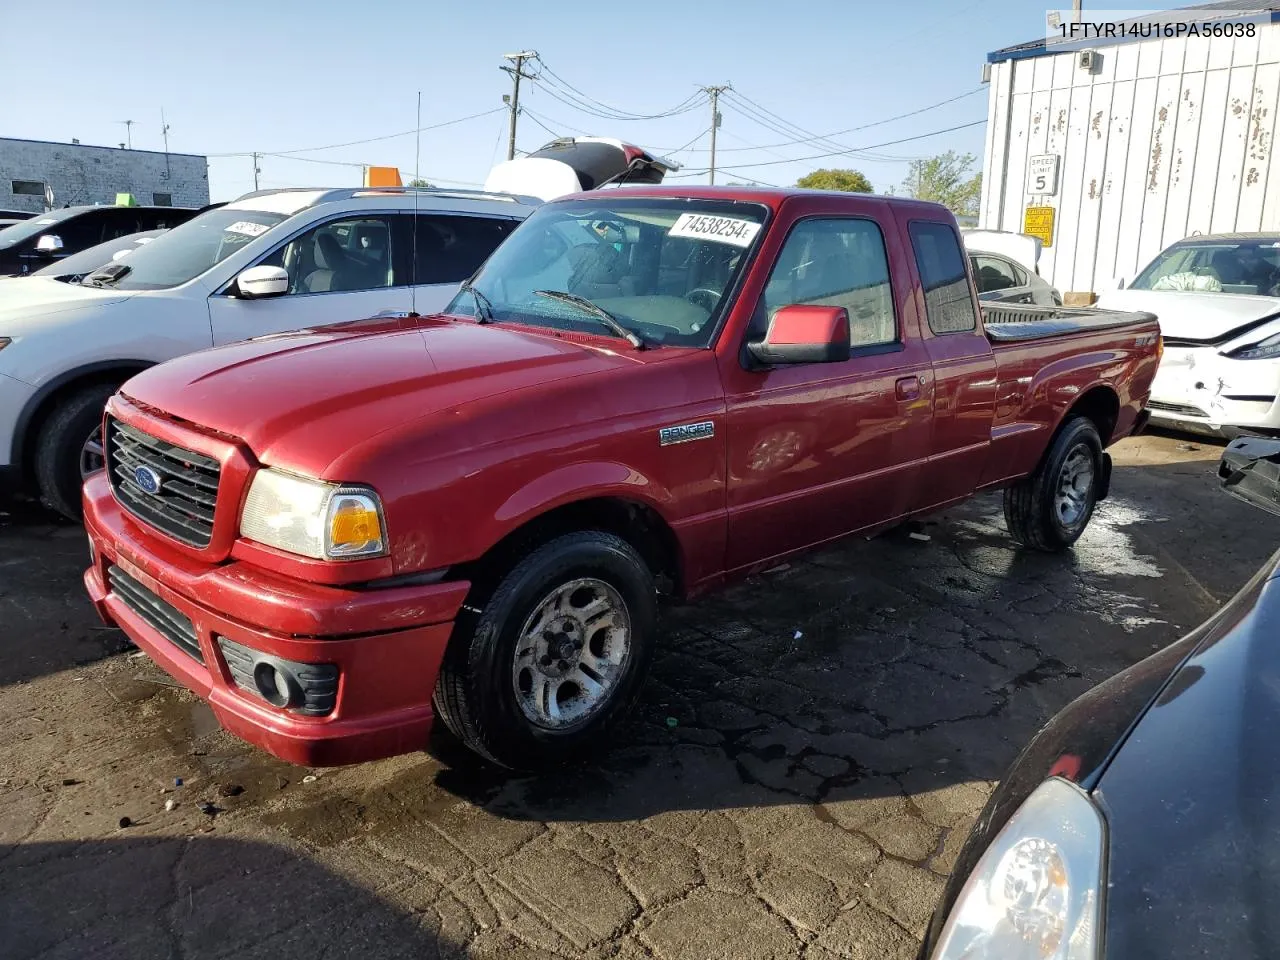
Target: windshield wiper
(597, 311)
(484, 309)
(107, 275)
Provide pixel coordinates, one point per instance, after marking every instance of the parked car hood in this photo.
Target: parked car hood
(300, 400)
(23, 297)
(1194, 314)
(1191, 799)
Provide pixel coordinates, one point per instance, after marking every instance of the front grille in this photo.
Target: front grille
(1184, 409)
(318, 682)
(183, 505)
(164, 618)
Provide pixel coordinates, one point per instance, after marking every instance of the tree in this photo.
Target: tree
(419, 182)
(945, 179)
(850, 181)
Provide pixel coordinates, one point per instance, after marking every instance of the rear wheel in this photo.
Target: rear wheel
(69, 448)
(552, 663)
(1050, 509)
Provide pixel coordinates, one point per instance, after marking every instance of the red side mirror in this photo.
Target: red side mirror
(802, 333)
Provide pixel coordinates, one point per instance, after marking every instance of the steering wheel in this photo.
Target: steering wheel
(704, 297)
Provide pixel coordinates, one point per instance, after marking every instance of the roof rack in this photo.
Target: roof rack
(329, 194)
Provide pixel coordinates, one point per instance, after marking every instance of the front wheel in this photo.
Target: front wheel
(69, 448)
(1050, 509)
(553, 662)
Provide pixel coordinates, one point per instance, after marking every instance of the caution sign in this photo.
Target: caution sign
(1038, 222)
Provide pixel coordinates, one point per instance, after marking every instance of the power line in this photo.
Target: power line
(865, 126)
(604, 109)
(836, 153)
(356, 143)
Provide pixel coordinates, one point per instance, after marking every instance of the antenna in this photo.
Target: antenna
(417, 189)
(128, 127)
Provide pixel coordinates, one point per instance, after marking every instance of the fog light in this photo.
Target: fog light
(277, 687)
(310, 689)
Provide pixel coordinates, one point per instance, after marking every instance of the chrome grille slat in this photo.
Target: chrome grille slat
(184, 505)
(165, 448)
(163, 617)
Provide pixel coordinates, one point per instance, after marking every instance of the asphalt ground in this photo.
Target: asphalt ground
(806, 760)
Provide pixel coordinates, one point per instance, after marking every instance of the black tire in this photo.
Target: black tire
(59, 444)
(1030, 510)
(476, 693)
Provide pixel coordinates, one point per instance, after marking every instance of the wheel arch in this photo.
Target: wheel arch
(634, 519)
(1099, 403)
(42, 403)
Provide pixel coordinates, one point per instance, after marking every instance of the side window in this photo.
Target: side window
(450, 248)
(992, 273)
(80, 232)
(120, 223)
(947, 300)
(840, 263)
(339, 256)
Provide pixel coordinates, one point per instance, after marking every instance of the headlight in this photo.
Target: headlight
(313, 518)
(1266, 350)
(1036, 894)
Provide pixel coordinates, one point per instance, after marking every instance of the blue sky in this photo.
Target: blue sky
(283, 75)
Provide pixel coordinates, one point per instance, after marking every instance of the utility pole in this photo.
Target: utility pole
(1075, 10)
(513, 101)
(256, 170)
(714, 94)
(164, 132)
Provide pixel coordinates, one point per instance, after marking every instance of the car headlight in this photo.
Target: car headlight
(326, 521)
(1036, 893)
(1265, 350)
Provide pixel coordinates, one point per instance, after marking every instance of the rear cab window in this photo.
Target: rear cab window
(940, 262)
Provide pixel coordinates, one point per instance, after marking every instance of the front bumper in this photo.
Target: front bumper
(1197, 388)
(387, 644)
(14, 396)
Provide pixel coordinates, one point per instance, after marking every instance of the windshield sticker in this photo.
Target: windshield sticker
(248, 228)
(701, 226)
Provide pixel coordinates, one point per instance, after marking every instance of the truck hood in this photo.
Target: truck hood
(300, 400)
(1195, 315)
(31, 297)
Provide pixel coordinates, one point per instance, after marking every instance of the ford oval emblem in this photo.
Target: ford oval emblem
(147, 479)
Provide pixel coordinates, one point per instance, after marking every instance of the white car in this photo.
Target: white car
(266, 263)
(1218, 300)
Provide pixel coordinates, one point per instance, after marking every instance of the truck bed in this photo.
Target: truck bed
(1016, 321)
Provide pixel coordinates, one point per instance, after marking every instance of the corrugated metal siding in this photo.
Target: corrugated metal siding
(1167, 138)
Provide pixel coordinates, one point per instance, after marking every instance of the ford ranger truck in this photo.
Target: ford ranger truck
(340, 535)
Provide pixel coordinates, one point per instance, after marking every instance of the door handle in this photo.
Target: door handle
(907, 388)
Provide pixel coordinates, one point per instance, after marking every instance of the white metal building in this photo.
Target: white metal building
(1133, 143)
(80, 174)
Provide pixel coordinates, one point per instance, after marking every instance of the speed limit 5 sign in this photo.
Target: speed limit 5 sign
(1042, 175)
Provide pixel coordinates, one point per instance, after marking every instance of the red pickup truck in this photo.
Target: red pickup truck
(338, 535)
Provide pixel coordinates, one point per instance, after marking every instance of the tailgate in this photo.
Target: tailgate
(1006, 322)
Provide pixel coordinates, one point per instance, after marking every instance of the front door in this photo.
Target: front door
(349, 268)
(821, 450)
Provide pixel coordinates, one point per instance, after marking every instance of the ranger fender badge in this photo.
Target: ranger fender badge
(686, 432)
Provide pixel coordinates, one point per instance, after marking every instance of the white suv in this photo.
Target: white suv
(268, 262)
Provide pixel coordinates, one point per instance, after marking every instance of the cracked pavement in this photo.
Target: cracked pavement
(804, 765)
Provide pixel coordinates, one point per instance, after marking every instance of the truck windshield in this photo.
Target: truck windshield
(189, 250)
(661, 267)
(1219, 266)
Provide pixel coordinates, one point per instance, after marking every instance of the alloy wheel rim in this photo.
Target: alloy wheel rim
(571, 654)
(1075, 486)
